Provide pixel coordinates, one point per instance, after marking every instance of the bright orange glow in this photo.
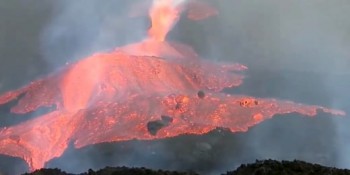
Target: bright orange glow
(119, 95)
(125, 93)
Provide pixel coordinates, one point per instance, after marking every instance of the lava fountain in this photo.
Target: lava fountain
(148, 90)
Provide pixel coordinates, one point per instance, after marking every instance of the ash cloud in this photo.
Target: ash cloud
(79, 28)
(284, 35)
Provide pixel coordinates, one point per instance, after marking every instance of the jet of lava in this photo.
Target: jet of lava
(148, 90)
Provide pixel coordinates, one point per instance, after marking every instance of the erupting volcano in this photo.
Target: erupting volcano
(148, 90)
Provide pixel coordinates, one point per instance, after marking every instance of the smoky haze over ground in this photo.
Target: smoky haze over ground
(280, 41)
(80, 28)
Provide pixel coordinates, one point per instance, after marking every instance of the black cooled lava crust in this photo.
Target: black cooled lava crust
(112, 171)
(265, 167)
(273, 167)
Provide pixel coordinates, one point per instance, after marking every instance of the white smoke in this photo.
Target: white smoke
(80, 28)
(166, 2)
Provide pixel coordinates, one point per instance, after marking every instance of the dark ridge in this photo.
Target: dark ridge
(260, 167)
(296, 167)
(112, 171)
(49, 171)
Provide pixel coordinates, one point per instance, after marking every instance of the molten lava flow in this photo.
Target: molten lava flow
(147, 96)
(148, 90)
(186, 113)
(118, 78)
(40, 139)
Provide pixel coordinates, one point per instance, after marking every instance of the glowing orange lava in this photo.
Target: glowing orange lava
(148, 90)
